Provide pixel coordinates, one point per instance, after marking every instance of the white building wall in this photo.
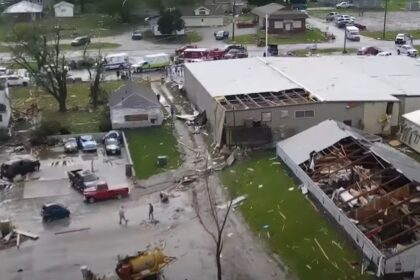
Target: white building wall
(64, 11)
(197, 21)
(411, 139)
(411, 104)
(118, 118)
(5, 116)
(374, 112)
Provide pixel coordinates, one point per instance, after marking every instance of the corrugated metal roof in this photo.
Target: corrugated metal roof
(413, 117)
(23, 7)
(239, 76)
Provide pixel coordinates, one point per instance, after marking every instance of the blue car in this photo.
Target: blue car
(54, 211)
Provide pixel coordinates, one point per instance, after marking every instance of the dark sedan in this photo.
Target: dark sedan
(54, 211)
(80, 41)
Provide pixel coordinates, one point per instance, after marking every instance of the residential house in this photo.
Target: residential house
(133, 106)
(24, 11)
(255, 101)
(280, 19)
(410, 132)
(64, 9)
(368, 189)
(226, 6)
(201, 16)
(5, 109)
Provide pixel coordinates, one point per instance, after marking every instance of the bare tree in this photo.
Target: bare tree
(43, 60)
(218, 219)
(95, 78)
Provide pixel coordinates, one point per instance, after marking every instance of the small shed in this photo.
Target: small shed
(410, 134)
(24, 11)
(64, 9)
(133, 106)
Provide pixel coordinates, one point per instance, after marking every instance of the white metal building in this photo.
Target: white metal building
(5, 109)
(64, 9)
(410, 133)
(133, 106)
(289, 95)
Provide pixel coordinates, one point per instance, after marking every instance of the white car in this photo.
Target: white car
(344, 5)
(408, 50)
(16, 80)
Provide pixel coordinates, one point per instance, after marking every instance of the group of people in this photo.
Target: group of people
(174, 71)
(125, 75)
(121, 214)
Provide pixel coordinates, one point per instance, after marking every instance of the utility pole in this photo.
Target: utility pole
(386, 10)
(345, 39)
(233, 20)
(266, 35)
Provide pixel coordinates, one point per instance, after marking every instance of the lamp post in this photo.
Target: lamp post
(233, 20)
(266, 35)
(386, 10)
(345, 40)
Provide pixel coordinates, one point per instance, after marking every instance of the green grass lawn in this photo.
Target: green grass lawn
(310, 36)
(330, 51)
(190, 37)
(293, 223)
(96, 25)
(147, 144)
(76, 121)
(193, 37)
(96, 45)
(390, 35)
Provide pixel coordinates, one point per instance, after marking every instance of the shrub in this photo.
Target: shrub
(47, 128)
(105, 121)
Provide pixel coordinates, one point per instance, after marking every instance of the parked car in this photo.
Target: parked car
(80, 41)
(15, 80)
(360, 26)
(368, 51)
(102, 192)
(237, 47)
(136, 35)
(400, 39)
(112, 146)
(235, 53)
(331, 16)
(273, 50)
(54, 211)
(115, 134)
(81, 179)
(180, 50)
(408, 50)
(3, 70)
(87, 143)
(384, 54)
(70, 146)
(344, 5)
(19, 166)
(221, 35)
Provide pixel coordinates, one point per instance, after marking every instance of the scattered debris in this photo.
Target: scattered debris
(266, 226)
(270, 211)
(337, 244)
(260, 186)
(304, 189)
(235, 202)
(309, 267)
(282, 215)
(72, 230)
(250, 169)
(276, 163)
(291, 189)
(322, 249)
(14, 236)
(268, 235)
(229, 234)
(164, 197)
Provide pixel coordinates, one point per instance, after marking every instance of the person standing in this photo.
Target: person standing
(151, 212)
(122, 215)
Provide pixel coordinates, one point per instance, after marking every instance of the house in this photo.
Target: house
(133, 106)
(255, 101)
(410, 132)
(5, 109)
(154, 28)
(226, 6)
(64, 9)
(280, 19)
(24, 11)
(201, 16)
(368, 189)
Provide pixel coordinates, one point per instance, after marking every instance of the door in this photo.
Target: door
(101, 192)
(288, 26)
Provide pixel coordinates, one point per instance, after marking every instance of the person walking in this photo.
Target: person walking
(151, 212)
(122, 215)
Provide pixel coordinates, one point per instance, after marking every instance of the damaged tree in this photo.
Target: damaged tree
(95, 78)
(217, 218)
(43, 61)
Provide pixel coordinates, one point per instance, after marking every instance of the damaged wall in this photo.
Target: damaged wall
(374, 112)
(407, 259)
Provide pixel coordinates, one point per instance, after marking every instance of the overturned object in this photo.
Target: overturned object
(235, 202)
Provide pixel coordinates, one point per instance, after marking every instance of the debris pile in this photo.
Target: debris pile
(12, 237)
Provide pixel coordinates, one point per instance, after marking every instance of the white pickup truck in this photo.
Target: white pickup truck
(408, 50)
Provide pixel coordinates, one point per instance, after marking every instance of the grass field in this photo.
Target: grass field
(393, 6)
(76, 121)
(293, 224)
(95, 25)
(390, 35)
(331, 51)
(147, 144)
(96, 45)
(310, 36)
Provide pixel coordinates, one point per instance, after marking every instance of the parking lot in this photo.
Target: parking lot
(395, 21)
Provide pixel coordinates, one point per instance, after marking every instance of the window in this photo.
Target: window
(297, 24)
(398, 266)
(347, 122)
(266, 117)
(136, 118)
(278, 24)
(3, 108)
(304, 114)
(389, 107)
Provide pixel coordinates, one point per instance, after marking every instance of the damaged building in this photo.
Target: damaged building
(371, 190)
(256, 101)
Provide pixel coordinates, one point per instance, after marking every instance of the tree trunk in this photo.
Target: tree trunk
(219, 266)
(82, 6)
(62, 96)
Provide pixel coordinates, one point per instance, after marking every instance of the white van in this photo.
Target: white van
(116, 61)
(152, 62)
(352, 33)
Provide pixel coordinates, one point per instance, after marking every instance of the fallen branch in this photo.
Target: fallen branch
(322, 250)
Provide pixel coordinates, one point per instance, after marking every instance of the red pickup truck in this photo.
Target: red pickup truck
(102, 191)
